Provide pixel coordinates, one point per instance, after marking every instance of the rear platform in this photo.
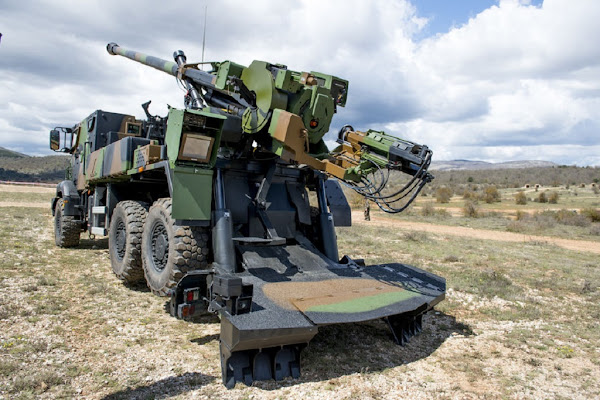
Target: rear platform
(296, 290)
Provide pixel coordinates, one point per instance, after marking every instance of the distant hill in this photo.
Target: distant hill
(32, 169)
(12, 154)
(479, 165)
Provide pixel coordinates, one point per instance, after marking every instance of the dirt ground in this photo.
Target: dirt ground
(70, 329)
(577, 245)
(26, 189)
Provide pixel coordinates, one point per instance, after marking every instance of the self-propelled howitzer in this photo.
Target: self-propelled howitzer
(210, 206)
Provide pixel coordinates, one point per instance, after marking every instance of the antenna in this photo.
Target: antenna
(204, 35)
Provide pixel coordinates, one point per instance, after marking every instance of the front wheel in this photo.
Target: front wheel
(169, 251)
(66, 227)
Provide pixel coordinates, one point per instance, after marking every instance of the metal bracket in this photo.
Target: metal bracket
(404, 327)
(260, 200)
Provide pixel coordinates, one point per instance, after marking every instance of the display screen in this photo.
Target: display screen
(196, 147)
(133, 129)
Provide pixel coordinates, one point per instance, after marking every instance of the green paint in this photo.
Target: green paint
(321, 110)
(364, 304)
(192, 193)
(168, 67)
(259, 79)
(379, 141)
(288, 81)
(224, 71)
(192, 182)
(174, 132)
(97, 172)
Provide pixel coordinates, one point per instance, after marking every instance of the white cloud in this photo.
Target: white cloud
(511, 82)
(515, 81)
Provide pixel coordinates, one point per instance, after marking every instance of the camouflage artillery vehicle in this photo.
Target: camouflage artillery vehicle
(210, 206)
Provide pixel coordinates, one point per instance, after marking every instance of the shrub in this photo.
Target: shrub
(470, 210)
(593, 214)
(443, 194)
(542, 198)
(516, 226)
(553, 197)
(568, 217)
(542, 222)
(595, 230)
(427, 210)
(520, 198)
(442, 212)
(415, 236)
(469, 195)
(491, 195)
(522, 215)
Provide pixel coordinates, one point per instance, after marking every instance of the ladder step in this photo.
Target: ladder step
(99, 210)
(98, 231)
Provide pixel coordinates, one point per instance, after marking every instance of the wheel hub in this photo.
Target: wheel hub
(160, 246)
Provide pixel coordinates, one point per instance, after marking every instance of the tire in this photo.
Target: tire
(169, 251)
(66, 228)
(125, 240)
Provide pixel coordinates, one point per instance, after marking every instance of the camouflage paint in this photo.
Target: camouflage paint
(117, 158)
(169, 67)
(224, 71)
(259, 80)
(192, 182)
(344, 295)
(173, 135)
(94, 165)
(363, 304)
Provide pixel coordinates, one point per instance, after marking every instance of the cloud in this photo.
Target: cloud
(515, 81)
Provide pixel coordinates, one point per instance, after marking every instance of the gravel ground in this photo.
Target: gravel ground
(70, 329)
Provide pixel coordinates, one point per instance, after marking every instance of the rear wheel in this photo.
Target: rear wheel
(125, 240)
(66, 228)
(169, 251)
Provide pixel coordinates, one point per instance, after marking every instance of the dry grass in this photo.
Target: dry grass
(520, 321)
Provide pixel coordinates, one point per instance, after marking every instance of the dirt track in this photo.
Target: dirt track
(24, 204)
(577, 245)
(26, 189)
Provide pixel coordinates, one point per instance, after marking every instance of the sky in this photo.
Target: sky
(489, 80)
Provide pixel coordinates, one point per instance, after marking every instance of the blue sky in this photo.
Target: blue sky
(443, 15)
(483, 80)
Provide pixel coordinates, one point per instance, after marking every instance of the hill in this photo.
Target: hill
(33, 169)
(477, 165)
(11, 154)
(514, 177)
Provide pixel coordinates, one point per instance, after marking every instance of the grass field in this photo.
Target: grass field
(521, 319)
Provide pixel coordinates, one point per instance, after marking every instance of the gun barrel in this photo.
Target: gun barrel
(170, 67)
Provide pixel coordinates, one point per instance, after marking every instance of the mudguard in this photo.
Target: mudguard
(66, 190)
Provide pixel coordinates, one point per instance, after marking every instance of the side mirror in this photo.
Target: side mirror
(60, 139)
(54, 139)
